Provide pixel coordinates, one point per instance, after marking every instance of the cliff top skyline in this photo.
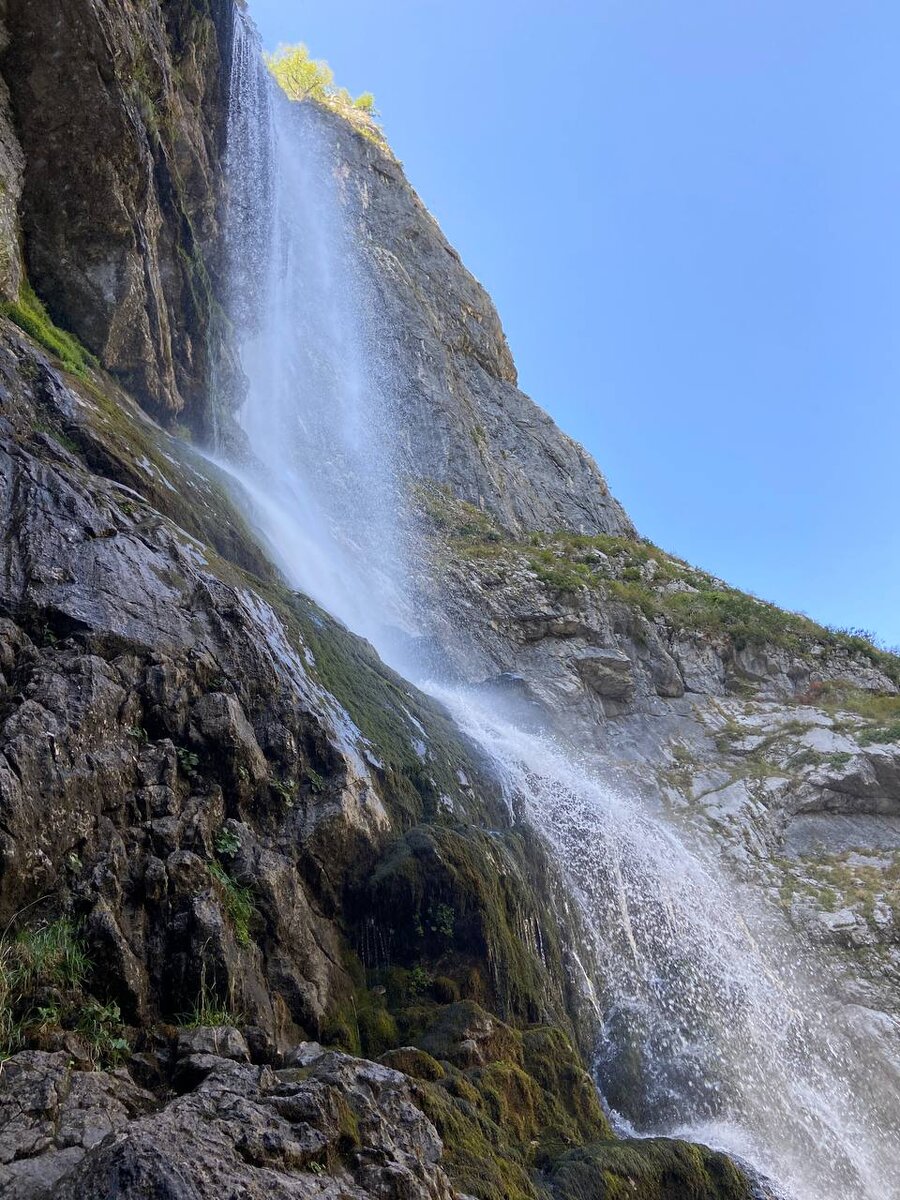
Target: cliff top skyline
(699, 280)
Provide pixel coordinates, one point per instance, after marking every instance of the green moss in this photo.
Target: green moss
(572, 1111)
(478, 1156)
(650, 1169)
(526, 1122)
(490, 886)
(413, 1062)
(30, 315)
(377, 1030)
(391, 715)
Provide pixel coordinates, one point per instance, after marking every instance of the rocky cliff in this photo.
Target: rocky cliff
(112, 137)
(269, 925)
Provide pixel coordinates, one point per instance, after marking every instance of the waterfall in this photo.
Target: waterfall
(718, 1026)
(318, 471)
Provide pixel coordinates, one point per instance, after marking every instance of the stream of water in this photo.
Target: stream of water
(717, 1025)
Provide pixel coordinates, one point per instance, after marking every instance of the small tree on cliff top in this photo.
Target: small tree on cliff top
(302, 77)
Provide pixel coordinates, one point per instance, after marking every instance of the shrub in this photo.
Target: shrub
(302, 78)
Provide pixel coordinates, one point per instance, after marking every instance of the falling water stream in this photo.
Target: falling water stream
(717, 1025)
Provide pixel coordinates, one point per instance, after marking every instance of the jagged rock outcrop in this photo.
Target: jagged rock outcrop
(344, 1127)
(775, 738)
(11, 166)
(337, 1126)
(198, 780)
(218, 807)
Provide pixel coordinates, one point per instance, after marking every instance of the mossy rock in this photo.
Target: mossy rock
(413, 1062)
(377, 1030)
(478, 1156)
(460, 897)
(652, 1169)
(465, 1035)
(571, 1110)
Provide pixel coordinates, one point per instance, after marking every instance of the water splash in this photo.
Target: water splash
(716, 1026)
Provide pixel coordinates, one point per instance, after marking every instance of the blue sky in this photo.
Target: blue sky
(688, 215)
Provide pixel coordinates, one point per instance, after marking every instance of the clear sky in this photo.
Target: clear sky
(688, 215)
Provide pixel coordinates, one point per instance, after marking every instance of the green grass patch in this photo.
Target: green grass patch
(237, 902)
(636, 573)
(43, 979)
(30, 315)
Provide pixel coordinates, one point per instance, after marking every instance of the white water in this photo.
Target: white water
(318, 423)
(716, 1027)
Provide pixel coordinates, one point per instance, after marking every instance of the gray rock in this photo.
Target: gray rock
(304, 1055)
(52, 1116)
(465, 423)
(607, 671)
(126, 108)
(222, 1041)
(348, 1129)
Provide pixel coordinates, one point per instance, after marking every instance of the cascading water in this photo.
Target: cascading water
(320, 472)
(714, 1026)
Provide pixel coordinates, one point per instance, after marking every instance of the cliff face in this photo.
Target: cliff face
(448, 368)
(229, 836)
(119, 118)
(227, 832)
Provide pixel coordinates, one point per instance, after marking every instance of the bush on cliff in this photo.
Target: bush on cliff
(302, 77)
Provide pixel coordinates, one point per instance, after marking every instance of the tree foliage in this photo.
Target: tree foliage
(302, 77)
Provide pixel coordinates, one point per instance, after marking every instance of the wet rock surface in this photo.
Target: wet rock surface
(786, 753)
(118, 114)
(236, 852)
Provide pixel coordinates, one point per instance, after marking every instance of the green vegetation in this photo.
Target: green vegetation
(836, 881)
(657, 1169)
(525, 1117)
(450, 900)
(227, 841)
(30, 315)
(881, 712)
(640, 575)
(507, 1118)
(43, 977)
(237, 902)
(302, 77)
(389, 713)
(188, 761)
(209, 1013)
